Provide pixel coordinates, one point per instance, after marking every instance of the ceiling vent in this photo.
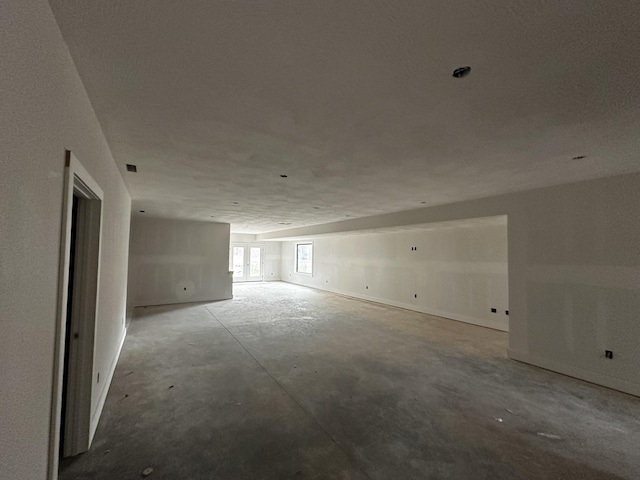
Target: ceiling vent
(131, 168)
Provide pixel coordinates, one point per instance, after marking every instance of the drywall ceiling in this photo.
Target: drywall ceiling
(355, 101)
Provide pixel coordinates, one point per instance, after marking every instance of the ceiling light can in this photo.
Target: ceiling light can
(461, 72)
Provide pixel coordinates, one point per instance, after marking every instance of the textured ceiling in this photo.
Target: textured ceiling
(355, 101)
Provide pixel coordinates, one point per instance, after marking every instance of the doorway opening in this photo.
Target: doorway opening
(68, 323)
(71, 426)
(247, 262)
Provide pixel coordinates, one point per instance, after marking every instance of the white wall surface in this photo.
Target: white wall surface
(272, 261)
(456, 272)
(243, 238)
(45, 110)
(175, 261)
(574, 272)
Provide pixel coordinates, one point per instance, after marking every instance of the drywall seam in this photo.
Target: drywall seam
(95, 417)
(414, 308)
(577, 373)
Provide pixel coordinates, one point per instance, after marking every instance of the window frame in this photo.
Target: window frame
(295, 260)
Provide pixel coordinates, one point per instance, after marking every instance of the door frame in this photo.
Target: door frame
(247, 258)
(78, 434)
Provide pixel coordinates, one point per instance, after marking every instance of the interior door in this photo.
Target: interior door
(247, 263)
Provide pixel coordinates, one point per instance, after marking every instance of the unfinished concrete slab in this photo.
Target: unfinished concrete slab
(289, 382)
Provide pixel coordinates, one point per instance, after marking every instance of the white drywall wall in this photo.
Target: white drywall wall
(45, 110)
(456, 272)
(243, 238)
(272, 261)
(574, 272)
(175, 261)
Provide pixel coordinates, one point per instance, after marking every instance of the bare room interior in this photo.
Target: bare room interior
(320, 240)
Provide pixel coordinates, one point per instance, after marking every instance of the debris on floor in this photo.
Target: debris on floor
(147, 471)
(512, 412)
(499, 420)
(106, 451)
(170, 387)
(128, 373)
(549, 435)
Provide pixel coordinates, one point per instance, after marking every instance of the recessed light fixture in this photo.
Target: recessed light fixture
(131, 168)
(423, 203)
(283, 176)
(579, 157)
(236, 203)
(461, 72)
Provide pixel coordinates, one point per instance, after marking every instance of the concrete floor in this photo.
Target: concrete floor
(285, 382)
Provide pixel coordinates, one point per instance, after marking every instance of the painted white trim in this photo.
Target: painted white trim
(95, 417)
(576, 372)
(408, 306)
(76, 177)
(247, 253)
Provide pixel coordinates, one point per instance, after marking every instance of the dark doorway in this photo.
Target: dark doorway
(67, 342)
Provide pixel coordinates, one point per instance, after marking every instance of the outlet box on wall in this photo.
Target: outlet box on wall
(185, 289)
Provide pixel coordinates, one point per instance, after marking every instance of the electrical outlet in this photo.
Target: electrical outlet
(506, 312)
(608, 354)
(494, 310)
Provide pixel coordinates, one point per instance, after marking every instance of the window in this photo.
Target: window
(304, 258)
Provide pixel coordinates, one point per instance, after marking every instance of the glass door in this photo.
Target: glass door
(255, 263)
(246, 262)
(237, 262)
